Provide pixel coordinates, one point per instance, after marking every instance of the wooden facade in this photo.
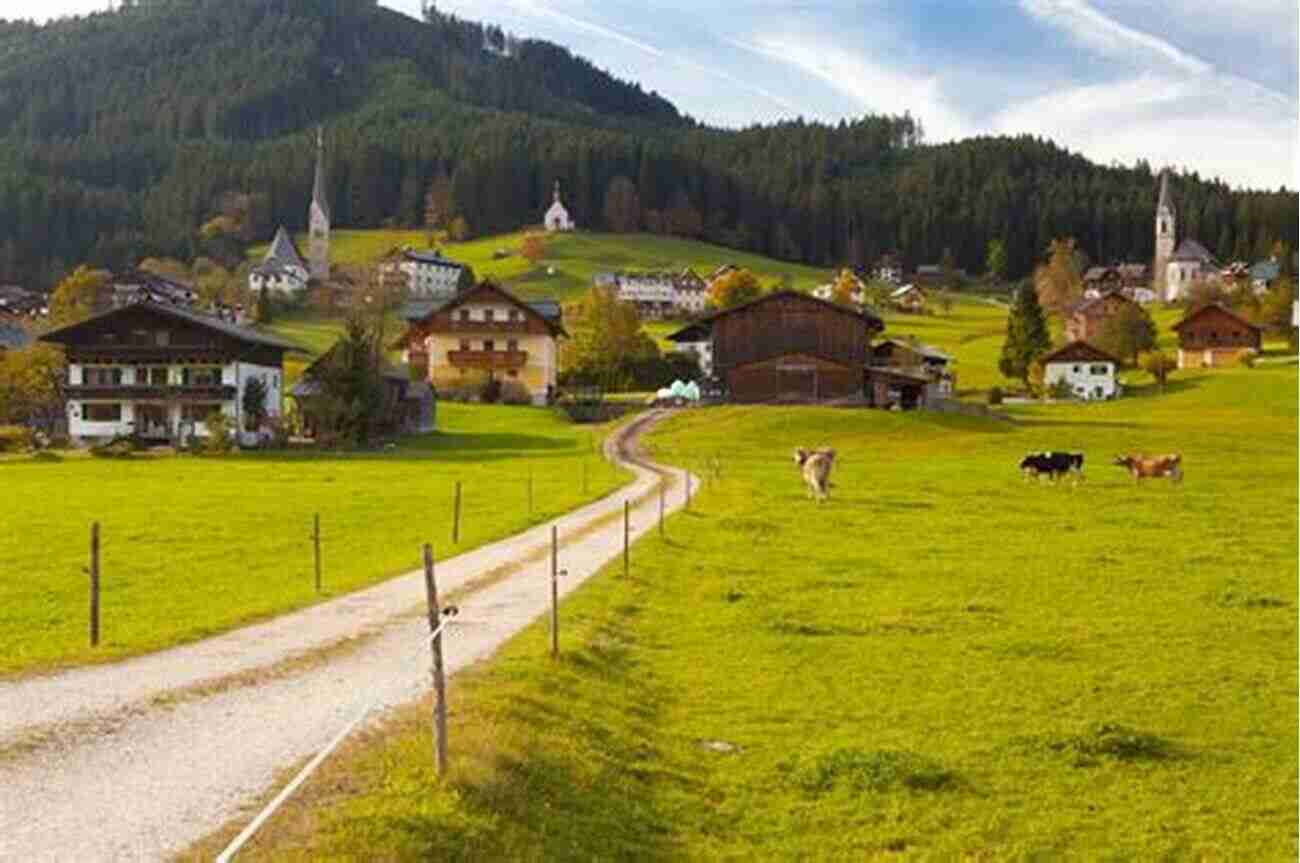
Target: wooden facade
(1214, 336)
(791, 345)
(1085, 323)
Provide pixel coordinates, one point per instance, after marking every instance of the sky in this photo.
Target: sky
(1203, 85)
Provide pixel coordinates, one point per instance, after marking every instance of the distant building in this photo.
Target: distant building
(908, 298)
(18, 302)
(1085, 321)
(429, 275)
(1214, 336)
(318, 218)
(136, 286)
(282, 271)
(692, 292)
(1089, 372)
(658, 295)
(1191, 264)
(1166, 231)
(557, 217)
(918, 360)
(888, 269)
(1263, 274)
(158, 371)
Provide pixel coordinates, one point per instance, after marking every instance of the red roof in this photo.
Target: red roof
(1196, 313)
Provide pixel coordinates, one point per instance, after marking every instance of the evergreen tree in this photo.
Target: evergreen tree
(1027, 335)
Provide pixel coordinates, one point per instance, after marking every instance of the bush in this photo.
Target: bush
(16, 439)
(995, 395)
(118, 447)
(279, 429)
(1246, 359)
(221, 433)
(1060, 390)
(515, 393)
(490, 391)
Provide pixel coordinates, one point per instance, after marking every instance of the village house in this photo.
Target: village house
(488, 332)
(557, 217)
(282, 270)
(1214, 336)
(1088, 371)
(1263, 274)
(857, 294)
(888, 269)
(158, 371)
(407, 408)
(908, 298)
(18, 302)
(1191, 264)
(1085, 321)
(429, 275)
(787, 345)
(692, 293)
(653, 294)
(137, 286)
(913, 361)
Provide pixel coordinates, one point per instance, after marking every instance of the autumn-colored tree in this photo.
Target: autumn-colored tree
(533, 247)
(1058, 280)
(459, 229)
(622, 206)
(734, 288)
(605, 335)
(31, 385)
(1159, 365)
(847, 289)
(1128, 332)
(1276, 309)
(84, 293)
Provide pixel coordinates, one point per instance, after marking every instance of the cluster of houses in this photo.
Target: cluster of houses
(659, 295)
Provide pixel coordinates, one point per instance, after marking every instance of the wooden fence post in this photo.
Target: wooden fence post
(555, 592)
(455, 519)
(94, 584)
(439, 680)
(315, 538)
(627, 530)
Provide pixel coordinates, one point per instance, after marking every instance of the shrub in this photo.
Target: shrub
(118, 447)
(16, 439)
(490, 391)
(515, 393)
(882, 770)
(995, 395)
(1060, 390)
(221, 433)
(1246, 358)
(279, 429)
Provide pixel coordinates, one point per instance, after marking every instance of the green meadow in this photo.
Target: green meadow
(943, 662)
(192, 545)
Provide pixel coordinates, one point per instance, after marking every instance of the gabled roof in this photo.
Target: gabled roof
(547, 311)
(1079, 352)
(1190, 250)
(867, 316)
(432, 258)
(917, 348)
(234, 331)
(1085, 305)
(282, 251)
(1197, 312)
(906, 289)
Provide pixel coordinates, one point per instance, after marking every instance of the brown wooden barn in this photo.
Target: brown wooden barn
(1214, 336)
(788, 346)
(1088, 318)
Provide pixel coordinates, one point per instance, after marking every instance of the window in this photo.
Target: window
(489, 314)
(151, 376)
(199, 412)
(102, 376)
(1078, 369)
(201, 376)
(464, 344)
(101, 413)
(464, 314)
(512, 373)
(1098, 370)
(512, 345)
(162, 338)
(140, 337)
(489, 345)
(516, 315)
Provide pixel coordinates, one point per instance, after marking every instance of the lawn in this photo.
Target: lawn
(941, 663)
(193, 546)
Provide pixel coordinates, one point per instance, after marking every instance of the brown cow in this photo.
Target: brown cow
(1142, 467)
(816, 466)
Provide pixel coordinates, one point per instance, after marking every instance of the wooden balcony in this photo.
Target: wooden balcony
(490, 360)
(144, 392)
(495, 326)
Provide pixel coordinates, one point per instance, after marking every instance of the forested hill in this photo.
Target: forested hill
(122, 132)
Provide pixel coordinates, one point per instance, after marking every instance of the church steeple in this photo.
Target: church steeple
(556, 197)
(1166, 233)
(318, 216)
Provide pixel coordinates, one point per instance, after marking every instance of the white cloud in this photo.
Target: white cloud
(1108, 37)
(872, 88)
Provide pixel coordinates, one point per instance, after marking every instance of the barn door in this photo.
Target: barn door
(799, 381)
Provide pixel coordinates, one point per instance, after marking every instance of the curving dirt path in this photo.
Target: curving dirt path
(137, 760)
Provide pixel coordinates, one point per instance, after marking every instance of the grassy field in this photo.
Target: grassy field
(941, 663)
(193, 546)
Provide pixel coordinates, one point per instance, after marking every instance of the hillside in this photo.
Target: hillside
(121, 133)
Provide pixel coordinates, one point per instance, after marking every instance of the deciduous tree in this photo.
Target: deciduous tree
(734, 288)
(605, 337)
(84, 293)
(1058, 280)
(533, 247)
(1159, 365)
(1127, 333)
(847, 289)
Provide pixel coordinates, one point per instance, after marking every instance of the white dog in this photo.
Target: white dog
(815, 465)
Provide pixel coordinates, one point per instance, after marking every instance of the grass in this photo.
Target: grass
(941, 663)
(193, 546)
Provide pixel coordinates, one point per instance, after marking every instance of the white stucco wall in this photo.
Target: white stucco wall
(1085, 379)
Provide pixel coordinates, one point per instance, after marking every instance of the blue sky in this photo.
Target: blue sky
(1210, 85)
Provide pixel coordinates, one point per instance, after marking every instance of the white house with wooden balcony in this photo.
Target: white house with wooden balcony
(486, 333)
(430, 276)
(159, 371)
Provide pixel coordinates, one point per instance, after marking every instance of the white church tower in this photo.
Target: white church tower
(318, 218)
(1166, 233)
(557, 218)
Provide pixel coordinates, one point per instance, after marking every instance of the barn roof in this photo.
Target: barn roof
(235, 331)
(867, 316)
(1086, 304)
(1196, 313)
(1078, 351)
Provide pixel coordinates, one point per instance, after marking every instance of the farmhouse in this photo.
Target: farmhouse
(787, 345)
(486, 331)
(692, 292)
(653, 294)
(1086, 320)
(896, 365)
(282, 271)
(408, 405)
(1088, 371)
(158, 371)
(1214, 336)
(429, 274)
(135, 286)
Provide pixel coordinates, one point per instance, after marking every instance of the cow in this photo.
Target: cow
(1142, 467)
(1052, 465)
(815, 465)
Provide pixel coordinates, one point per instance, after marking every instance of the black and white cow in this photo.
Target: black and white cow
(1053, 465)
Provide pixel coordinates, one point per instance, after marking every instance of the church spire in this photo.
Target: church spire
(318, 186)
(318, 217)
(1164, 191)
(556, 196)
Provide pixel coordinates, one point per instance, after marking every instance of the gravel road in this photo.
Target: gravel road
(120, 770)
